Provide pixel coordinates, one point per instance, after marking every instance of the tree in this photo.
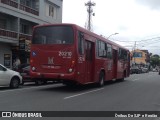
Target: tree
(155, 60)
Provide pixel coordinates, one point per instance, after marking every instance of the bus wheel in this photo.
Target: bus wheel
(121, 80)
(124, 75)
(101, 79)
(38, 82)
(70, 84)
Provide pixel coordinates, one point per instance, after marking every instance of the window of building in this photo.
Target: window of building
(7, 60)
(51, 10)
(2, 23)
(137, 54)
(30, 3)
(26, 2)
(24, 29)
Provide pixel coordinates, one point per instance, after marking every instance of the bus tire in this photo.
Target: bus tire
(121, 80)
(38, 82)
(70, 84)
(124, 75)
(101, 79)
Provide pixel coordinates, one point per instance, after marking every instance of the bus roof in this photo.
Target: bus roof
(84, 30)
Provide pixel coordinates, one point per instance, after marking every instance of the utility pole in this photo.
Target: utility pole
(134, 52)
(89, 4)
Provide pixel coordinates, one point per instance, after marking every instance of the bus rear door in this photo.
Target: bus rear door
(115, 63)
(89, 66)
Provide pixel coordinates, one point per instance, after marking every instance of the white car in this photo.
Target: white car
(9, 77)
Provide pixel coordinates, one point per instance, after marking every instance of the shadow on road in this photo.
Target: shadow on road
(58, 87)
(77, 88)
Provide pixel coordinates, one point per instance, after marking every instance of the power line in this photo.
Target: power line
(144, 40)
(151, 43)
(149, 39)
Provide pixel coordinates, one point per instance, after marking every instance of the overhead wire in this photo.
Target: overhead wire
(142, 42)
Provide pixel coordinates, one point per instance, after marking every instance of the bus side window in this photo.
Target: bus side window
(119, 53)
(109, 51)
(101, 49)
(123, 55)
(80, 43)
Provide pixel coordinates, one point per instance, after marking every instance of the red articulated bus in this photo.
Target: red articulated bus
(71, 54)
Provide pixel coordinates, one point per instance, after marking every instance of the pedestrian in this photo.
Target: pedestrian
(16, 63)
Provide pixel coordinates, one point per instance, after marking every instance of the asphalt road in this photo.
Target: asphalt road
(139, 92)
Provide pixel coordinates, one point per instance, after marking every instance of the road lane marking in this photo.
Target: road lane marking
(83, 93)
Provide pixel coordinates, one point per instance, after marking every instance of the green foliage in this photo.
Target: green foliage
(155, 60)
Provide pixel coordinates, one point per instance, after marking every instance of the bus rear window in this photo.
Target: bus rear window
(53, 35)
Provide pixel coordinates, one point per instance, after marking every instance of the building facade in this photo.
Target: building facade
(140, 57)
(17, 18)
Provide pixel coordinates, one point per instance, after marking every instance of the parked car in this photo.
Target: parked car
(159, 72)
(154, 70)
(24, 69)
(144, 70)
(135, 70)
(25, 73)
(9, 77)
(21, 66)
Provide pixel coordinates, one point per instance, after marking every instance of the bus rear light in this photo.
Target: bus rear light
(70, 70)
(33, 68)
(31, 61)
(73, 63)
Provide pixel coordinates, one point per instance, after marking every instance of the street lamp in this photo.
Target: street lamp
(111, 35)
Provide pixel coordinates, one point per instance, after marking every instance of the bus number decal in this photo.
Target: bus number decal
(81, 59)
(65, 54)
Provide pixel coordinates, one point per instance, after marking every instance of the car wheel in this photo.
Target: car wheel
(14, 82)
(101, 79)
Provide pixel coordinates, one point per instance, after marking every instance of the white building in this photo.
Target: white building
(17, 18)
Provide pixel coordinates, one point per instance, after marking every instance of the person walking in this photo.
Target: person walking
(16, 63)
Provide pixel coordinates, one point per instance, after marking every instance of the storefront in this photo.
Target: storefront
(22, 51)
(5, 55)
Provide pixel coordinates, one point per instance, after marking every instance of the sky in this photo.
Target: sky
(137, 22)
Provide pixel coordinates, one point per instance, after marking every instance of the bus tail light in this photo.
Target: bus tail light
(72, 64)
(33, 68)
(70, 70)
(31, 61)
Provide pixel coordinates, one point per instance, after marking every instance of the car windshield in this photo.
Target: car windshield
(53, 35)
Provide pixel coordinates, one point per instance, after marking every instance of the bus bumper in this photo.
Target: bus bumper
(56, 76)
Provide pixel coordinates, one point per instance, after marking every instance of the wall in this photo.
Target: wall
(141, 59)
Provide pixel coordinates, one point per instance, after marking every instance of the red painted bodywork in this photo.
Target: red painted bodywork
(84, 71)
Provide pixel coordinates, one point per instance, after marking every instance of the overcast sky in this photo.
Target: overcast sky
(134, 20)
